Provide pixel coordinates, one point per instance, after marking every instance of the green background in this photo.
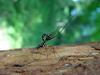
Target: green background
(22, 22)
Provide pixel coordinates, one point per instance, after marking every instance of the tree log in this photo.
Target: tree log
(80, 59)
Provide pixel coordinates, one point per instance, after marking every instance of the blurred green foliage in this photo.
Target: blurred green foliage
(22, 22)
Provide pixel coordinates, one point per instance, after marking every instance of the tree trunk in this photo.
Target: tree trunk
(78, 59)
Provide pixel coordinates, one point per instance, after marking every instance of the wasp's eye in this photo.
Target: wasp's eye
(44, 37)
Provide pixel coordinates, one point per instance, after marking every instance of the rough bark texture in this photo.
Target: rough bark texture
(81, 59)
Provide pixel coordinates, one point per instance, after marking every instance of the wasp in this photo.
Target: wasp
(45, 38)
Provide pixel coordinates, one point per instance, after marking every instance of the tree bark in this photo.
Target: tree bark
(81, 59)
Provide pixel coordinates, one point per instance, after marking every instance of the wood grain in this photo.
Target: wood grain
(80, 59)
